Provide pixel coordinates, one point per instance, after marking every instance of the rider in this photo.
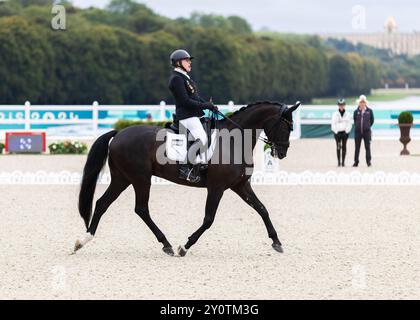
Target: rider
(189, 110)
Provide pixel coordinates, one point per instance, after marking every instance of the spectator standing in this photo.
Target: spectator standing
(363, 121)
(341, 125)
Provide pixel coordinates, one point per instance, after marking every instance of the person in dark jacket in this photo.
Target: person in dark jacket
(189, 110)
(363, 121)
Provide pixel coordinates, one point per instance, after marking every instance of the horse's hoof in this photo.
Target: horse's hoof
(169, 251)
(182, 251)
(81, 243)
(277, 247)
(77, 246)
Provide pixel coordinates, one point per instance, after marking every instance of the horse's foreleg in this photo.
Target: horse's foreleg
(212, 202)
(244, 190)
(142, 191)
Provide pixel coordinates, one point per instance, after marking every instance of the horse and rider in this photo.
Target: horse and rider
(189, 109)
(132, 159)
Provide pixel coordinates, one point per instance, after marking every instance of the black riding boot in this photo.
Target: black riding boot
(190, 173)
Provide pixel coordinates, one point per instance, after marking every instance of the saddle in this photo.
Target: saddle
(178, 146)
(208, 125)
(174, 125)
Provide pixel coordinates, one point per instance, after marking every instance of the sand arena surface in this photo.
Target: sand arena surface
(340, 242)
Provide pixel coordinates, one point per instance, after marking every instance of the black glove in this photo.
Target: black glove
(210, 106)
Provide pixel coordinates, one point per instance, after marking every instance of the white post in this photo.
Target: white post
(231, 105)
(162, 110)
(95, 117)
(298, 123)
(27, 116)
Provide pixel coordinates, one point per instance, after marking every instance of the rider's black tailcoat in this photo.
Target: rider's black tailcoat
(187, 100)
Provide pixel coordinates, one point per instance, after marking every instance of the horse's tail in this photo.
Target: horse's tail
(94, 164)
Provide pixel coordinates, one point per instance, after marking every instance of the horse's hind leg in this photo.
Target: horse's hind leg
(118, 185)
(142, 190)
(212, 202)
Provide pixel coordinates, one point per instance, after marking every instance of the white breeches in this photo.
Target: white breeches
(196, 129)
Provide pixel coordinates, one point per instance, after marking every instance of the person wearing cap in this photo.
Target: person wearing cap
(363, 121)
(189, 110)
(341, 125)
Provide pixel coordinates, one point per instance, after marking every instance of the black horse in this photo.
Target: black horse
(132, 161)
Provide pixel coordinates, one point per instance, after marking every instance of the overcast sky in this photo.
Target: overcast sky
(300, 16)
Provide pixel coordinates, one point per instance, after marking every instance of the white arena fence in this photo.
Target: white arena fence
(32, 115)
(305, 178)
(29, 116)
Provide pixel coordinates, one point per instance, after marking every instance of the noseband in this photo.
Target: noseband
(276, 144)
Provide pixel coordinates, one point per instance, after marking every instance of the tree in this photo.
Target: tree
(340, 76)
(142, 22)
(239, 25)
(120, 55)
(27, 3)
(126, 7)
(9, 8)
(25, 61)
(232, 24)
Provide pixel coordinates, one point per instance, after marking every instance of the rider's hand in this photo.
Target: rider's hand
(210, 106)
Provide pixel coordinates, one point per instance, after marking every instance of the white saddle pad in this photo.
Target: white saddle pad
(176, 146)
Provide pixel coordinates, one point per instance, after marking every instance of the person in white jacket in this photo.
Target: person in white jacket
(341, 125)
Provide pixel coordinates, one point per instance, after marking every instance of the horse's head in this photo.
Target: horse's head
(278, 130)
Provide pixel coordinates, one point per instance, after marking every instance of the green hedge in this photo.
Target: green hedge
(68, 147)
(1, 147)
(125, 48)
(121, 124)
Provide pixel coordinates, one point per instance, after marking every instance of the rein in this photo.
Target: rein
(229, 120)
(272, 144)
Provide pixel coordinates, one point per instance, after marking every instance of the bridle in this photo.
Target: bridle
(279, 143)
(273, 144)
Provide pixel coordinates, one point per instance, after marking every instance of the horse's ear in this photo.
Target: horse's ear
(294, 107)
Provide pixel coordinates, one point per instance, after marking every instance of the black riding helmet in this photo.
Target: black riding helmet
(341, 102)
(179, 55)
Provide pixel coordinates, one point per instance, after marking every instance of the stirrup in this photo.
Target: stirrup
(187, 173)
(193, 177)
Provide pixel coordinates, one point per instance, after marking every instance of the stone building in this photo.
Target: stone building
(396, 42)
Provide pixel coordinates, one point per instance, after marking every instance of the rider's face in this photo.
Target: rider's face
(186, 63)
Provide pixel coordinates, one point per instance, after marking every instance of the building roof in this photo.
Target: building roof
(390, 25)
